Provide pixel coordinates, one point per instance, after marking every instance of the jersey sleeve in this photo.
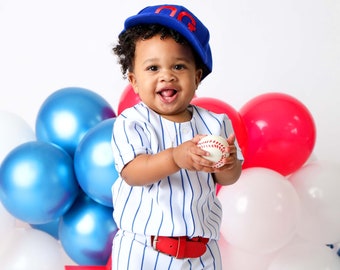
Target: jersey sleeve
(129, 139)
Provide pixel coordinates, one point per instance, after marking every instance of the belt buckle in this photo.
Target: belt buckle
(179, 247)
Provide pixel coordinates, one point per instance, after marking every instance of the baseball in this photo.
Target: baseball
(215, 145)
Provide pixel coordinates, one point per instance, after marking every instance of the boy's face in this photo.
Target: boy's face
(165, 76)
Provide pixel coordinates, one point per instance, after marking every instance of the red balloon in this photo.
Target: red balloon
(218, 188)
(219, 106)
(281, 132)
(128, 99)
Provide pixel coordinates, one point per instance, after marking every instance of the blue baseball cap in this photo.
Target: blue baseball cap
(183, 21)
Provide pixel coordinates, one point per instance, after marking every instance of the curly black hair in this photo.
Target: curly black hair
(125, 49)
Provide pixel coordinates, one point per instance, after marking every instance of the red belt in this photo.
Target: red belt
(180, 247)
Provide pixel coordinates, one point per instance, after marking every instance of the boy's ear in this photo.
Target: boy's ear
(132, 79)
(199, 74)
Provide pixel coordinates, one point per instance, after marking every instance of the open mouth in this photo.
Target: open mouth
(167, 94)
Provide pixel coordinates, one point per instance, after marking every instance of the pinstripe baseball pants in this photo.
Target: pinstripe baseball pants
(134, 252)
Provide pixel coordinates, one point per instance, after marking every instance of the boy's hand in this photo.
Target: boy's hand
(189, 156)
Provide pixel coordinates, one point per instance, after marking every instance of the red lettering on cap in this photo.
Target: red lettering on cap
(172, 8)
(191, 25)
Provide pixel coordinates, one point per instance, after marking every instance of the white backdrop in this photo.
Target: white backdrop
(259, 46)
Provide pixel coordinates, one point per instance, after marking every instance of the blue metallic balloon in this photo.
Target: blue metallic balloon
(67, 114)
(94, 163)
(86, 232)
(37, 182)
(50, 228)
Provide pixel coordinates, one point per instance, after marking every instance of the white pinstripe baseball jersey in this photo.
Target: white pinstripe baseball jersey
(183, 203)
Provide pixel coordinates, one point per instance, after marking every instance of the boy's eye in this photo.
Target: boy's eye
(179, 67)
(152, 68)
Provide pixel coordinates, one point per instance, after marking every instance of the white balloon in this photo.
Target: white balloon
(234, 258)
(7, 221)
(301, 255)
(260, 211)
(14, 131)
(318, 185)
(27, 249)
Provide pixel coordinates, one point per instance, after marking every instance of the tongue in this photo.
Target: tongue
(168, 93)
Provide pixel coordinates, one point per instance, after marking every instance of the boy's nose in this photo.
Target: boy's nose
(167, 75)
